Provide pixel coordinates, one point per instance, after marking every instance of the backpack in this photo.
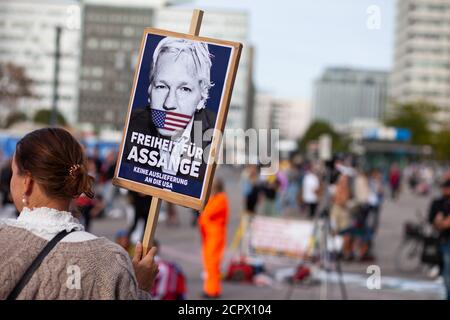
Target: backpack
(239, 270)
(170, 284)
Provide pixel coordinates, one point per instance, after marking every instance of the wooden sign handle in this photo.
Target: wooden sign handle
(196, 22)
(152, 221)
(153, 213)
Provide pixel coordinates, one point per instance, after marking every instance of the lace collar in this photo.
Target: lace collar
(45, 222)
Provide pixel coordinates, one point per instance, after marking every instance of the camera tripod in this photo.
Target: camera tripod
(322, 233)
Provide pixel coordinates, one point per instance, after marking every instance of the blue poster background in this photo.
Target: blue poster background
(220, 60)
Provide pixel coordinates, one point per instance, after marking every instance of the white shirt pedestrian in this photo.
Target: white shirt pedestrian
(310, 187)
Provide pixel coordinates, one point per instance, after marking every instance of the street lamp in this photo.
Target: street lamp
(57, 56)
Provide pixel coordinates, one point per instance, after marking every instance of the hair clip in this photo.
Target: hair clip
(73, 169)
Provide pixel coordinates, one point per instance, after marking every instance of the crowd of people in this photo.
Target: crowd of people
(421, 178)
(349, 193)
(352, 197)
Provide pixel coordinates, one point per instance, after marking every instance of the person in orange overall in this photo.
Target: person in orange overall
(213, 221)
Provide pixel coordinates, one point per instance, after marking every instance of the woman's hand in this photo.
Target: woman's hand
(145, 268)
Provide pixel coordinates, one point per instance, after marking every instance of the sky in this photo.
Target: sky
(295, 40)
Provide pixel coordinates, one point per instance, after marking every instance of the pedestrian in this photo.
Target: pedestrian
(439, 216)
(394, 181)
(213, 226)
(340, 215)
(89, 207)
(310, 190)
(375, 199)
(290, 204)
(361, 232)
(270, 189)
(5, 178)
(106, 175)
(96, 158)
(194, 220)
(48, 172)
(172, 215)
(250, 188)
(123, 240)
(141, 204)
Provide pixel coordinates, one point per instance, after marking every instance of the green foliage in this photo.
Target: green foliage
(417, 117)
(44, 116)
(14, 118)
(420, 118)
(441, 145)
(318, 128)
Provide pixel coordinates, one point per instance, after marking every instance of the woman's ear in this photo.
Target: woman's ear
(28, 184)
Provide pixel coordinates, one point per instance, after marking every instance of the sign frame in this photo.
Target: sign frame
(164, 194)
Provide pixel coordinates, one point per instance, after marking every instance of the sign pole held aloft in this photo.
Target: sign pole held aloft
(153, 213)
(196, 22)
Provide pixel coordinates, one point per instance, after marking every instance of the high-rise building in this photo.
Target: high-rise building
(111, 33)
(27, 40)
(344, 94)
(291, 116)
(227, 25)
(422, 53)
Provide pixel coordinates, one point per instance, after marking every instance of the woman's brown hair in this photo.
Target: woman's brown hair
(56, 161)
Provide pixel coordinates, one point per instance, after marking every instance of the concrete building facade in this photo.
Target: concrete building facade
(422, 53)
(27, 40)
(344, 94)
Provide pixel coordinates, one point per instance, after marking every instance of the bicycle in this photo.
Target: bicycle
(418, 239)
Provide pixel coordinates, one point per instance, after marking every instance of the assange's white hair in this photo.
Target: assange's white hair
(200, 56)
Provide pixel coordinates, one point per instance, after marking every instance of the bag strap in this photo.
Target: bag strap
(35, 264)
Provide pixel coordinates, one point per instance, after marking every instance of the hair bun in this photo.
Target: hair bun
(56, 161)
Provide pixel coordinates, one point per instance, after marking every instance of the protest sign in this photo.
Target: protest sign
(279, 237)
(176, 115)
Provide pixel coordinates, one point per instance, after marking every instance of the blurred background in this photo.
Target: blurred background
(356, 88)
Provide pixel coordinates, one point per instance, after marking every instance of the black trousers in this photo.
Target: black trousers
(312, 208)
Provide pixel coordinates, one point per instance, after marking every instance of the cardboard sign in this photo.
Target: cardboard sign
(176, 114)
(278, 237)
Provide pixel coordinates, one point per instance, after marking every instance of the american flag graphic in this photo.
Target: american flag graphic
(169, 120)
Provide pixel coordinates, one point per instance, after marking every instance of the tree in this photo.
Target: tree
(44, 116)
(417, 117)
(318, 128)
(441, 144)
(14, 84)
(14, 118)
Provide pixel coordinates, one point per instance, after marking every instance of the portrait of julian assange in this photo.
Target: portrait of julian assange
(171, 131)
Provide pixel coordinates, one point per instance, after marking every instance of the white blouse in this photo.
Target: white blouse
(47, 223)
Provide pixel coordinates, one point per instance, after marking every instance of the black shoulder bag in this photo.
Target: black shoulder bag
(35, 265)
